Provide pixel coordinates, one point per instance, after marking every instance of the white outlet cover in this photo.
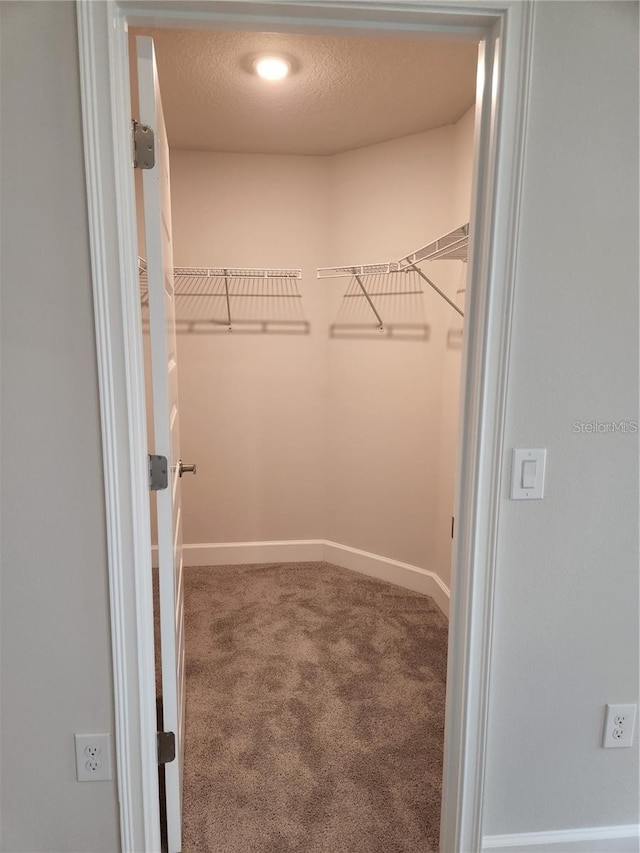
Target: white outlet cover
(93, 757)
(619, 723)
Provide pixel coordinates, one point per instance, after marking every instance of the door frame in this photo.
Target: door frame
(505, 29)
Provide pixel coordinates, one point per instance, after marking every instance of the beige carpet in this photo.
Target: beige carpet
(315, 709)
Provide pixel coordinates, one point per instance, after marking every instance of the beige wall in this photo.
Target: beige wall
(253, 406)
(386, 396)
(291, 433)
(55, 668)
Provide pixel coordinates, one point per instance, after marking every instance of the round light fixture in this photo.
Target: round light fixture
(272, 67)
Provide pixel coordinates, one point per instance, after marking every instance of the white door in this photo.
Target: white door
(164, 384)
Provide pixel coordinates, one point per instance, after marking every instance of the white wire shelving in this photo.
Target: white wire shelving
(263, 300)
(235, 299)
(451, 246)
(454, 246)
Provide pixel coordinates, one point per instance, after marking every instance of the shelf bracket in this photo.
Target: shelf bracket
(369, 300)
(226, 293)
(437, 289)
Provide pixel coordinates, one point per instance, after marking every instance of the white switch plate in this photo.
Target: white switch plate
(93, 757)
(527, 480)
(619, 723)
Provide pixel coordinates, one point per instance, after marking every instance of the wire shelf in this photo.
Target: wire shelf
(371, 282)
(453, 246)
(236, 272)
(361, 269)
(238, 299)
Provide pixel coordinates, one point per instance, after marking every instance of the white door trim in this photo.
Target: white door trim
(506, 27)
(113, 244)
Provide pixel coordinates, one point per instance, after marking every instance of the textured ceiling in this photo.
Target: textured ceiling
(344, 93)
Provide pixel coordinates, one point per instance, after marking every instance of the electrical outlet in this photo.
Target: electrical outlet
(93, 757)
(619, 723)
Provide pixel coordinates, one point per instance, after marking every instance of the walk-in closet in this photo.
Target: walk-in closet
(320, 228)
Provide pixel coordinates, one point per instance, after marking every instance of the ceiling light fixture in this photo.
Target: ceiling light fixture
(272, 67)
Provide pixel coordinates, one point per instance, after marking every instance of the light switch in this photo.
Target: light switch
(527, 475)
(528, 479)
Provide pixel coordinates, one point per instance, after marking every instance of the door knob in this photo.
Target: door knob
(185, 469)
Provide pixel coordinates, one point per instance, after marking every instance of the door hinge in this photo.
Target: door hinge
(166, 747)
(144, 147)
(158, 473)
(453, 524)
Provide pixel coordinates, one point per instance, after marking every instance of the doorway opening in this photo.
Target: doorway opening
(320, 400)
(505, 33)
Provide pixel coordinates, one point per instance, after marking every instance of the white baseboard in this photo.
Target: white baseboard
(240, 553)
(600, 839)
(316, 550)
(385, 569)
